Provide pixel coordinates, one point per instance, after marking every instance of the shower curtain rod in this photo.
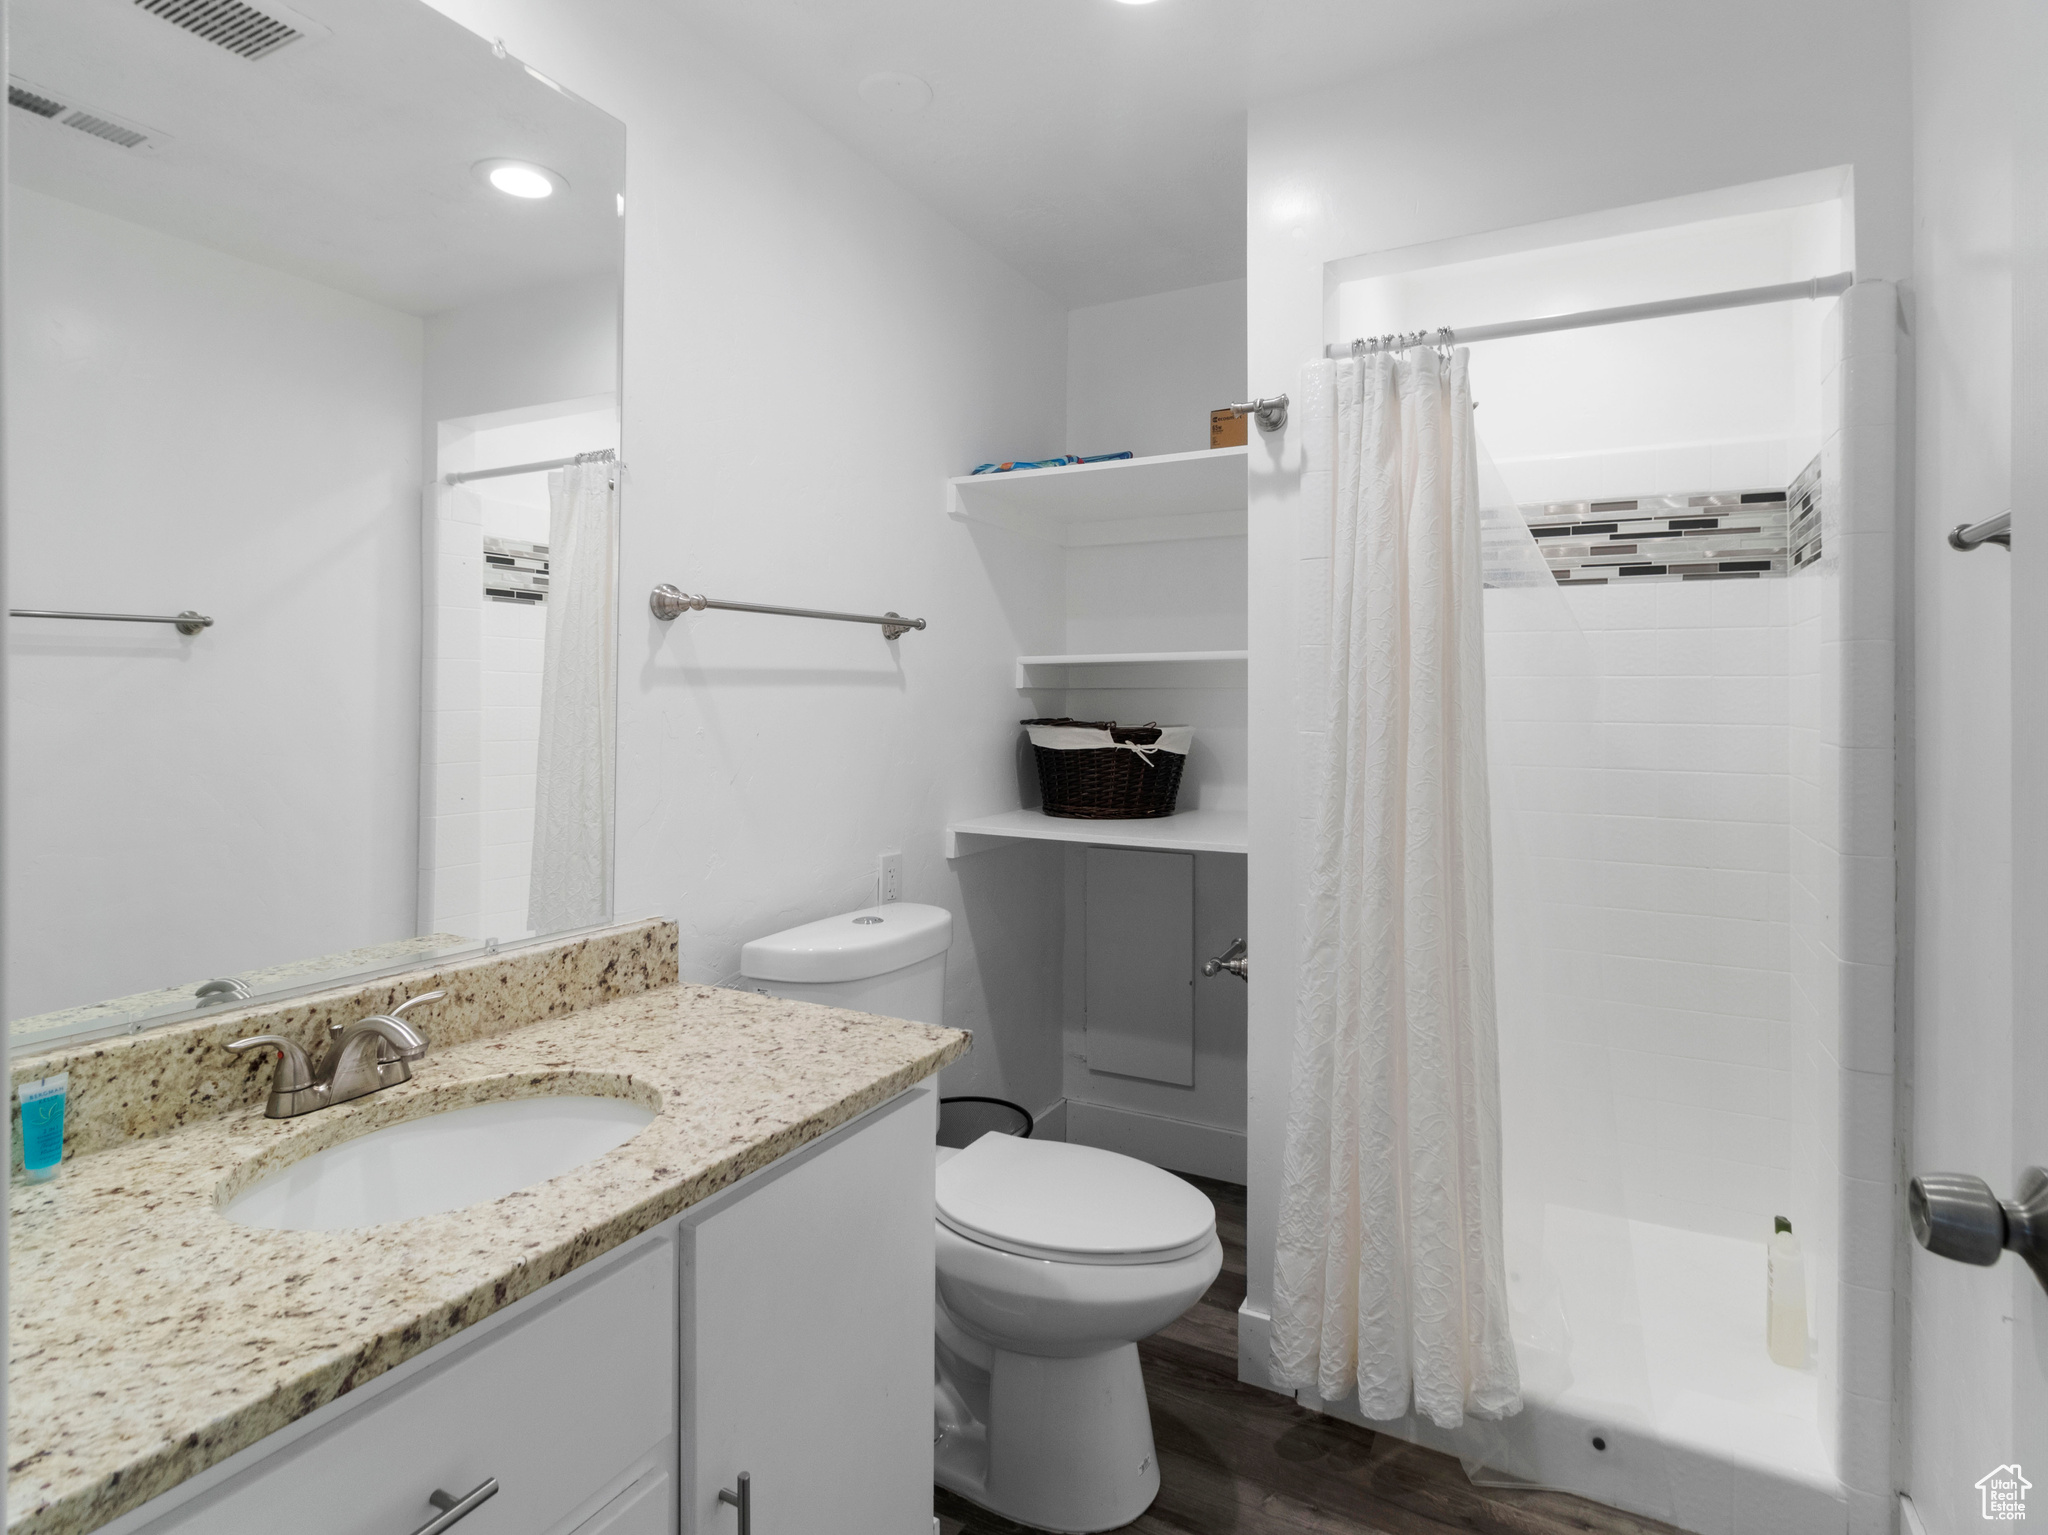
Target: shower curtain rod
(601, 456)
(1740, 298)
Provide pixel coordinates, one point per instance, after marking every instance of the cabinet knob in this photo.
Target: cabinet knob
(453, 1509)
(743, 1500)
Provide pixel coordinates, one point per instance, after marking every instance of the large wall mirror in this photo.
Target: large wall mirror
(312, 337)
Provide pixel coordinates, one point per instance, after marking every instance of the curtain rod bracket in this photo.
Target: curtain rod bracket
(1271, 414)
(1993, 530)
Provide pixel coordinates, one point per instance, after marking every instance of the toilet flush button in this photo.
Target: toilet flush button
(866, 921)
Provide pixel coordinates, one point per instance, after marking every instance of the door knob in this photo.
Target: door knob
(1957, 1216)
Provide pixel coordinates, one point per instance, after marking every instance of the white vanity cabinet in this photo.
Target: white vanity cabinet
(565, 1407)
(782, 1328)
(807, 1339)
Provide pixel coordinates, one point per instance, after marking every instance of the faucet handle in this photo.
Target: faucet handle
(425, 996)
(294, 1071)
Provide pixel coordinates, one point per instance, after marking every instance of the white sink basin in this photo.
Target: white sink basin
(437, 1163)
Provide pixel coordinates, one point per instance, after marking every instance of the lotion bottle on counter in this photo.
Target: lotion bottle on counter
(1785, 1324)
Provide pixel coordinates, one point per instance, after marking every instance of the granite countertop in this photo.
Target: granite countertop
(152, 1338)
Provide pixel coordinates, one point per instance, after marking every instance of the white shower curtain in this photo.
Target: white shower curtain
(572, 816)
(1389, 1275)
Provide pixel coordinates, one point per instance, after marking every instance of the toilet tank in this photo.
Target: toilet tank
(882, 959)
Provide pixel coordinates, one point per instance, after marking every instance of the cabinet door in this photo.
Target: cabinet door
(557, 1407)
(642, 1509)
(808, 1338)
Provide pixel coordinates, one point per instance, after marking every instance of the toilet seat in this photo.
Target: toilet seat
(1070, 1204)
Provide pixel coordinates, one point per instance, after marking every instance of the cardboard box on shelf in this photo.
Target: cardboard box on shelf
(1226, 430)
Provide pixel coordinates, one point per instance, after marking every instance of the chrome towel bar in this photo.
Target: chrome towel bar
(668, 602)
(1992, 530)
(188, 622)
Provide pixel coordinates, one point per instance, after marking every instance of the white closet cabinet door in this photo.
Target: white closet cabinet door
(1140, 964)
(642, 1509)
(807, 1338)
(556, 1406)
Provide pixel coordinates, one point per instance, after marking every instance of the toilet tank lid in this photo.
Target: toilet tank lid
(851, 946)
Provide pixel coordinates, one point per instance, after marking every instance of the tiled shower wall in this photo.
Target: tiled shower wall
(1659, 827)
(513, 636)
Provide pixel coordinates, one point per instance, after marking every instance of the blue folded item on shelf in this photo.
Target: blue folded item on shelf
(1052, 463)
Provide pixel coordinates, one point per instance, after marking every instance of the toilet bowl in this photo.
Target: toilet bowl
(1053, 1261)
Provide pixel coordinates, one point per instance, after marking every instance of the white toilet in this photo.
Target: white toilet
(1053, 1261)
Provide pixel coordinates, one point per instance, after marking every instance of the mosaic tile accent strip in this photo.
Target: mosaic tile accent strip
(515, 571)
(1804, 499)
(1736, 535)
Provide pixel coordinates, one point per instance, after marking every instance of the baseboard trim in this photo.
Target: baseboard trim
(1255, 1348)
(1204, 1150)
(1050, 1122)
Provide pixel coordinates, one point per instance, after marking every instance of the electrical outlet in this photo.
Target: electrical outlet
(889, 880)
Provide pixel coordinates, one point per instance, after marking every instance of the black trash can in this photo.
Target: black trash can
(965, 1120)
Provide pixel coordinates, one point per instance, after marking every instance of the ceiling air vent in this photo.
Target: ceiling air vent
(31, 101)
(241, 29)
(104, 126)
(100, 128)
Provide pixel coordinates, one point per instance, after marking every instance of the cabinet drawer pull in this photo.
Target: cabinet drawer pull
(743, 1500)
(454, 1509)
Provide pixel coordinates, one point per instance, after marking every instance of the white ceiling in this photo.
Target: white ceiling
(345, 157)
(1097, 147)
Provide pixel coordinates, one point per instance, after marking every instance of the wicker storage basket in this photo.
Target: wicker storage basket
(1090, 769)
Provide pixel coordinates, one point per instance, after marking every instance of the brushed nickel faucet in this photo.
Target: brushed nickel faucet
(362, 1057)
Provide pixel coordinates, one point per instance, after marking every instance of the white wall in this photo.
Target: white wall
(532, 347)
(808, 354)
(1337, 174)
(1144, 373)
(1724, 400)
(191, 430)
(1959, 699)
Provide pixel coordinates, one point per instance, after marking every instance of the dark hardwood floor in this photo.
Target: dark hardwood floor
(1238, 1460)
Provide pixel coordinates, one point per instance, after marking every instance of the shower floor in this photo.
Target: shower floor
(1651, 1339)
(1697, 1343)
(1646, 1385)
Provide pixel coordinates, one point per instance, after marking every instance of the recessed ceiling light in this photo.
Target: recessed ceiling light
(521, 178)
(895, 93)
(1135, 2)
